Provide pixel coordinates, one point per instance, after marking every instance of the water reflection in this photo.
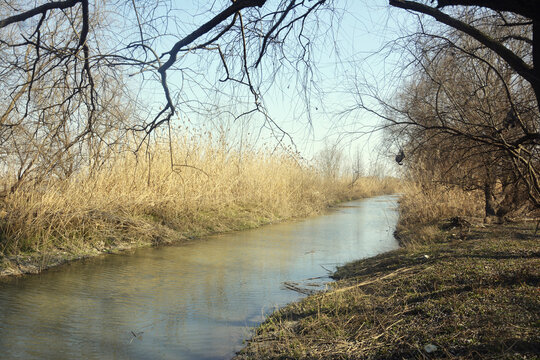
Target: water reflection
(194, 301)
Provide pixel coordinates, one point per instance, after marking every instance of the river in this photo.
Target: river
(189, 301)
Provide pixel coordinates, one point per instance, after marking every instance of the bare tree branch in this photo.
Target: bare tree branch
(520, 66)
(38, 10)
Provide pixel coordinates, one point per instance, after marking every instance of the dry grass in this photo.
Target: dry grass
(134, 201)
(426, 204)
(370, 186)
(423, 206)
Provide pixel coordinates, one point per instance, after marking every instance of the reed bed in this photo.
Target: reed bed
(190, 188)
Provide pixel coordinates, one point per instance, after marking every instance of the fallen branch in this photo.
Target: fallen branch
(369, 282)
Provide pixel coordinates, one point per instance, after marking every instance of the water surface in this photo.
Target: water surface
(190, 301)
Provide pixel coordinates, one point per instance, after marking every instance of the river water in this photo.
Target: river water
(190, 301)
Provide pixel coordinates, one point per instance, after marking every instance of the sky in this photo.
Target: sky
(351, 50)
(360, 54)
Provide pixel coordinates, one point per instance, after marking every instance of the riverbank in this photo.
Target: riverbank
(180, 189)
(472, 293)
(201, 224)
(130, 203)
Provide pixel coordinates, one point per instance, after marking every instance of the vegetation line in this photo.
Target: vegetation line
(128, 202)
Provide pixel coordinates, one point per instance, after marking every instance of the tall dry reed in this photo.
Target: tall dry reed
(200, 187)
(424, 205)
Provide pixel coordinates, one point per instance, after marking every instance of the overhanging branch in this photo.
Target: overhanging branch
(236, 6)
(520, 66)
(38, 10)
(521, 7)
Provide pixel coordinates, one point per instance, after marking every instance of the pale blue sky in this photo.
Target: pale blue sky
(342, 54)
(360, 51)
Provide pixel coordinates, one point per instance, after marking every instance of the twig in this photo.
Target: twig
(364, 283)
(293, 287)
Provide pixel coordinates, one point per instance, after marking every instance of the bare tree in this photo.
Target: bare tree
(71, 69)
(66, 32)
(517, 14)
(463, 117)
(495, 101)
(357, 167)
(330, 161)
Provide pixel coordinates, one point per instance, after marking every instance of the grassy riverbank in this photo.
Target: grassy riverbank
(131, 201)
(455, 291)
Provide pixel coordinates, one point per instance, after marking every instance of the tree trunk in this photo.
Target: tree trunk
(536, 57)
(490, 202)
